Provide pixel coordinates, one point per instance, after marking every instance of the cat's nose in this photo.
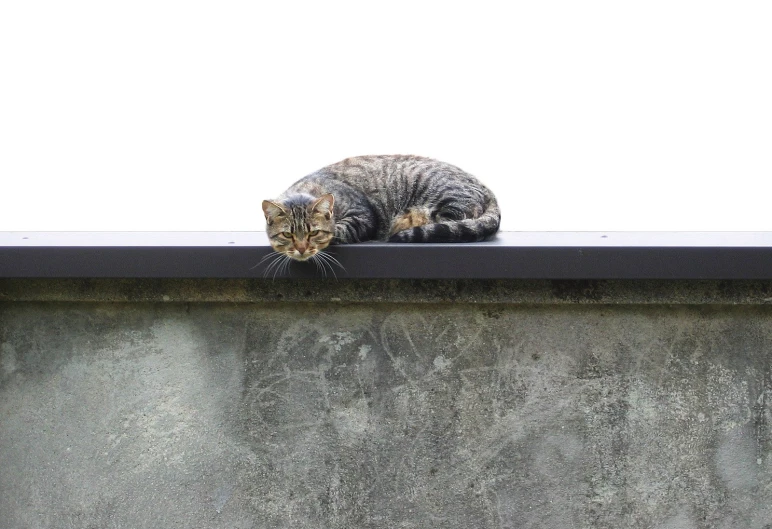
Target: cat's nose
(301, 249)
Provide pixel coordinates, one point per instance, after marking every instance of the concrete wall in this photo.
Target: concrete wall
(579, 410)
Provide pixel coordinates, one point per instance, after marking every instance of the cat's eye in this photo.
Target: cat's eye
(314, 233)
(287, 234)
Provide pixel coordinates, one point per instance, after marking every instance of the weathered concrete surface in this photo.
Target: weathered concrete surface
(509, 291)
(328, 415)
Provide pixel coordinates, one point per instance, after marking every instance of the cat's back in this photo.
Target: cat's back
(380, 167)
(393, 172)
(373, 161)
(393, 180)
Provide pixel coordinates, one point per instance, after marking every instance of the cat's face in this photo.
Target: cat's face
(301, 225)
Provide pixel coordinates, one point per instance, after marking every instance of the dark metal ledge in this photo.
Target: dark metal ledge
(511, 255)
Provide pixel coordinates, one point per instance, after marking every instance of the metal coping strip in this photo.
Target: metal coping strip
(510, 255)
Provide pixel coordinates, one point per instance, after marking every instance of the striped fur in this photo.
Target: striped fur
(395, 198)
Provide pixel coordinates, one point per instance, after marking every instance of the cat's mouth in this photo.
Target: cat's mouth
(297, 256)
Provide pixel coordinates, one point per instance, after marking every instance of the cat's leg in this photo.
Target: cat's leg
(358, 226)
(410, 219)
(451, 221)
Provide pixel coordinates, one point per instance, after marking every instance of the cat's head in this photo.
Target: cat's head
(300, 226)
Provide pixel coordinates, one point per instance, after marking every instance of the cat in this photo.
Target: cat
(394, 198)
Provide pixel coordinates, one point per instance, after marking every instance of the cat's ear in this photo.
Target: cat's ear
(324, 205)
(272, 209)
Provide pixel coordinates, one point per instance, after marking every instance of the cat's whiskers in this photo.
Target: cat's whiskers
(285, 265)
(319, 267)
(328, 260)
(332, 259)
(265, 258)
(280, 262)
(324, 265)
(277, 258)
(273, 264)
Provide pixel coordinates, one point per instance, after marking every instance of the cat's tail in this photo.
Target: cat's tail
(466, 230)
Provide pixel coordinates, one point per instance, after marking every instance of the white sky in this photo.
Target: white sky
(159, 115)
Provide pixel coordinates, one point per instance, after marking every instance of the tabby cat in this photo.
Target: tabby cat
(395, 198)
